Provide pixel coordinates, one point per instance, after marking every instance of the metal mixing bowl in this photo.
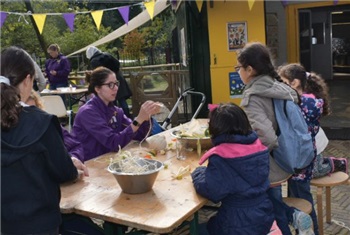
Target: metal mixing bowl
(136, 183)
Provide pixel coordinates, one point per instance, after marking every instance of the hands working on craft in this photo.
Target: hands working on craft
(148, 109)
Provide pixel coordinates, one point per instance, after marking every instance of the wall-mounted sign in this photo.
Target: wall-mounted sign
(236, 85)
(236, 35)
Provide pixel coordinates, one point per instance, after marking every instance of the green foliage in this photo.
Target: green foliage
(133, 45)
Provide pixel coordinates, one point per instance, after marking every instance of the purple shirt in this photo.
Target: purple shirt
(73, 146)
(102, 129)
(61, 66)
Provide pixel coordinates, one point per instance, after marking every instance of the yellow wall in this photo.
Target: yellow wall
(218, 17)
(292, 25)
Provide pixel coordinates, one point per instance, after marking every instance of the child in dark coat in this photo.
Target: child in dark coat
(236, 175)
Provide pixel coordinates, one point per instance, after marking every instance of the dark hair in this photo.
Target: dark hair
(54, 47)
(309, 82)
(16, 64)
(258, 57)
(228, 119)
(97, 77)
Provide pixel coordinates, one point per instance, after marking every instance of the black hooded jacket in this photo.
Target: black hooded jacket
(107, 60)
(34, 162)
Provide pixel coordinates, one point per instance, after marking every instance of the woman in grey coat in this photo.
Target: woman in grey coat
(262, 84)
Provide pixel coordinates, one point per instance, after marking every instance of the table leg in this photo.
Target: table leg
(319, 209)
(194, 224)
(328, 205)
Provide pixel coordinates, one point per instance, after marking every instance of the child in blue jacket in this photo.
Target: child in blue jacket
(236, 175)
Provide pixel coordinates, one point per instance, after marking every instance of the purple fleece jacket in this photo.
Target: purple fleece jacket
(73, 146)
(102, 129)
(61, 66)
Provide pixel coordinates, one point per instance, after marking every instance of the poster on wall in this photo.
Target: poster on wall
(236, 35)
(236, 85)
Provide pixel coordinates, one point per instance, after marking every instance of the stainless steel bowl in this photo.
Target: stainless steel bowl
(192, 142)
(136, 183)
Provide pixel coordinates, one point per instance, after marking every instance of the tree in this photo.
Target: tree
(133, 45)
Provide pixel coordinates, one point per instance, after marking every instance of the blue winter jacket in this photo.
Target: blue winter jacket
(237, 176)
(102, 129)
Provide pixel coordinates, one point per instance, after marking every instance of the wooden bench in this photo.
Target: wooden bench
(336, 178)
(298, 203)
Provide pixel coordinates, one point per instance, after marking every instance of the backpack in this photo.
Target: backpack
(295, 147)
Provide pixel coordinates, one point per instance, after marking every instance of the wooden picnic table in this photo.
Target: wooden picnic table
(74, 94)
(170, 203)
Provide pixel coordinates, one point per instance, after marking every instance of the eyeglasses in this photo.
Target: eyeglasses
(238, 67)
(111, 85)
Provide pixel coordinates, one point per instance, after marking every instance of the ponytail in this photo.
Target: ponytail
(10, 107)
(317, 86)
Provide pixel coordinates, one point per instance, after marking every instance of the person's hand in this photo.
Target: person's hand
(53, 72)
(82, 169)
(148, 109)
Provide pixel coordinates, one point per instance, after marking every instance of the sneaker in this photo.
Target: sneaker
(302, 222)
(340, 164)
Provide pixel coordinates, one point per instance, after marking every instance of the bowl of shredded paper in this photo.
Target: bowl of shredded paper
(134, 174)
(193, 136)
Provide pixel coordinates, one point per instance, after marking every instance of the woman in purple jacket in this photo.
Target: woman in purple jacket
(57, 68)
(102, 127)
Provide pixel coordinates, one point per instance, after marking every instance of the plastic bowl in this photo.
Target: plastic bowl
(136, 183)
(192, 142)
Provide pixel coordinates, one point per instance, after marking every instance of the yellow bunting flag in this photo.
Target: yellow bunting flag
(250, 4)
(150, 8)
(199, 5)
(40, 21)
(97, 16)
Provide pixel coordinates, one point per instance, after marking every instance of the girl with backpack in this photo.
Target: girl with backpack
(262, 85)
(315, 104)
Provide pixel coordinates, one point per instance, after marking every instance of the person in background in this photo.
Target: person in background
(73, 146)
(100, 126)
(98, 58)
(34, 161)
(57, 68)
(236, 175)
(262, 84)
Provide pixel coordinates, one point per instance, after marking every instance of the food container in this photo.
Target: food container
(189, 142)
(136, 183)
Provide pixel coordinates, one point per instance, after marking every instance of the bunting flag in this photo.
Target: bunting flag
(40, 21)
(97, 16)
(124, 12)
(250, 4)
(284, 3)
(3, 16)
(150, 8)
(335, 2)
(199, 5)
(69, 18)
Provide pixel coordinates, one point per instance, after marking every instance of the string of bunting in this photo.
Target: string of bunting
(70, 17)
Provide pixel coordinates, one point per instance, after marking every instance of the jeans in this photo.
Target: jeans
(122, 103)
(301, 189)
(283, 213)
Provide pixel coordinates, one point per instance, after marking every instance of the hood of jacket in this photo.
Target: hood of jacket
(21, 139)
(267, 87)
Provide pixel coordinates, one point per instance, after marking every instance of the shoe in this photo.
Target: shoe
(340, 164)
(302, 222)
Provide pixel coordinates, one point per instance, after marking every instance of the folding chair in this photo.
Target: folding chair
(54, 104)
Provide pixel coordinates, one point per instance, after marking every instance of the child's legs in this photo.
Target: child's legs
(283, 215)
(301, 189)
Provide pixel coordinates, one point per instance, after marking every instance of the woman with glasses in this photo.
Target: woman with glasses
(100, 126)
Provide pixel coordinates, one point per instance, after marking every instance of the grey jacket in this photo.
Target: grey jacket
(257, 103)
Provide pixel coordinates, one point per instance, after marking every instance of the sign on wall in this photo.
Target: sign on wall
(236, 85)
(236, 35)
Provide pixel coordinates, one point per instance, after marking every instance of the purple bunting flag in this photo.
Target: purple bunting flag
(3, 16)
(69, 18)
(284, 3)
(335, 2)
(124, 11)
